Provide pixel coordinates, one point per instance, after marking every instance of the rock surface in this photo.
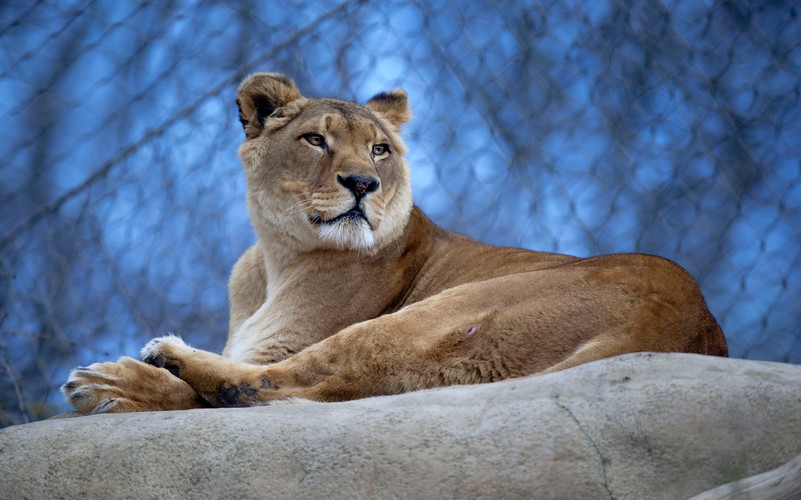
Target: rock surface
(782, 483)
(635, 426)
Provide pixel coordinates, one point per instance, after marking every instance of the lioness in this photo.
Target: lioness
(351, 291)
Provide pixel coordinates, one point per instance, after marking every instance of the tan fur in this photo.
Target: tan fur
(383, 301)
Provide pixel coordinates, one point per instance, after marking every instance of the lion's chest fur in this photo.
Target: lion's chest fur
(314, 296)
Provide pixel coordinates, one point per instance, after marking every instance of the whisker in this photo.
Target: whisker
(301, 206)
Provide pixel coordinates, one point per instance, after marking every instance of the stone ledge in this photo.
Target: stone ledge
(782, 483)
(636, 426)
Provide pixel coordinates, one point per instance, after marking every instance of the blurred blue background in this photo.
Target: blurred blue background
(666, 127)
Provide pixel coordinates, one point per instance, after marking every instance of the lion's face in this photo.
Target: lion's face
(324, 173)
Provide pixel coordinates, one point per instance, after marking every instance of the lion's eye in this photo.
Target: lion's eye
(315, 140)
(380, 149)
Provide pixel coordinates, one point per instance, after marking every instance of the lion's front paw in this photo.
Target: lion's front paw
(99, 388)
(126, 386)
(163, 351)
(91, 390)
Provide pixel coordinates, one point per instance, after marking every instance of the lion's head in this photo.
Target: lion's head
(323, 173)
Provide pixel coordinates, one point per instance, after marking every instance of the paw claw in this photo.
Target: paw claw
(105, 406)
(76, 395)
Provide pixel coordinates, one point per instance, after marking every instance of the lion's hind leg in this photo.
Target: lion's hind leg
(600, 347)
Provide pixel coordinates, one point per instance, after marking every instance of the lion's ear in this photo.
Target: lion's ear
(259, 95)
(393, 105)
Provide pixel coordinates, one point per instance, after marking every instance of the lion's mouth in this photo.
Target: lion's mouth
(352, 215)
(349, 229)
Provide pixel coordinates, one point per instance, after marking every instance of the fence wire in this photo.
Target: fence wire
(666, 127)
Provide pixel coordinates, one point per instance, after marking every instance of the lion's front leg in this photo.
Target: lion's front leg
(127, 386)
(218, 380)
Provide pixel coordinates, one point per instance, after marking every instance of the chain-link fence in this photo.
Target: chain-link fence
(667, 127)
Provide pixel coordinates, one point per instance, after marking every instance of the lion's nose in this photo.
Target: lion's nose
(359, 185)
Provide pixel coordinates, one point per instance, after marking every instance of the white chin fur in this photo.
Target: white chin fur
(348, 233)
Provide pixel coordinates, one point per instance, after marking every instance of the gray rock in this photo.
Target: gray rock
(635, 426)
(782, 483)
